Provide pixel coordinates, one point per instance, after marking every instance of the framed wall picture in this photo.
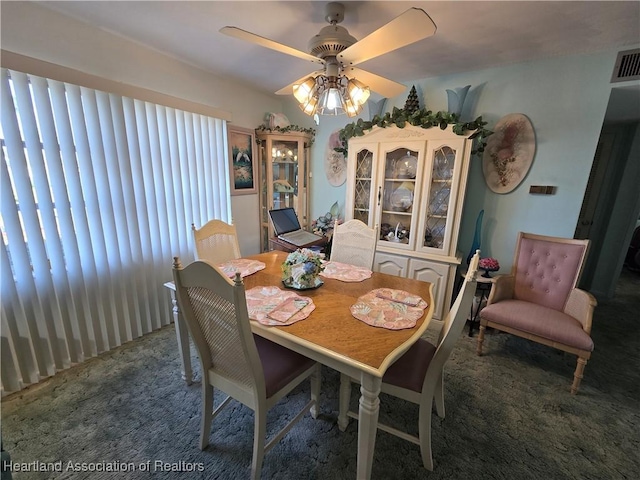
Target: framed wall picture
(242, 164)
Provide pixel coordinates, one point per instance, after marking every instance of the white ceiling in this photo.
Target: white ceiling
(470, 35)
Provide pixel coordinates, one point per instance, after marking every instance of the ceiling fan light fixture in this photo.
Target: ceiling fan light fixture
(358, 92)
(331, 102)
(310, 107)
(331, 95)
(305, 90)
(350, 108)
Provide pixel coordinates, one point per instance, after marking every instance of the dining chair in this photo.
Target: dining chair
(253, 370)
(417, 376)
(539, 300)
(354, 243)
(216, 241)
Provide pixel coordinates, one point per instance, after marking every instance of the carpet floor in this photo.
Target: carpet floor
(509, 415)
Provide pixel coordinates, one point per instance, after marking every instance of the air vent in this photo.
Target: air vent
(627, 66)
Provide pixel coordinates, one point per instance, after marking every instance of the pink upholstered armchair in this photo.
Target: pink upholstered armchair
(539, 301)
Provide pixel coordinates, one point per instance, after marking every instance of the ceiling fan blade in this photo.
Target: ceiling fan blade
(385, 87)
(409, 27)
(265, 42)
(288, 90)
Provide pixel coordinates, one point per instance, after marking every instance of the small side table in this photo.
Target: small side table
(483, 287)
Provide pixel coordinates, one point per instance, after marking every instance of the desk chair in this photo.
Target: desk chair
(539, 301)
(417, 375)
(254, 371)
(216, 241)
(354, 243)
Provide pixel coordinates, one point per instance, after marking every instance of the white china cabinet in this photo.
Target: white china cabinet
(284, 177)
(411, 182)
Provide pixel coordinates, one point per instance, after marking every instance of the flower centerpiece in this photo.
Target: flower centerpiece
(301, 269)
(488, 265)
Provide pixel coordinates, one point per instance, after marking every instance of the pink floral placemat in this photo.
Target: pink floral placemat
(389, 308)
(273, 306)
(244, 265)
(345, 272)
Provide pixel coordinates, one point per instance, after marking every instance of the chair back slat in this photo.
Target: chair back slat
(354, 243)
(216, 242)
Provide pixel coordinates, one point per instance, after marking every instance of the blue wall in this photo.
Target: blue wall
(565, 98)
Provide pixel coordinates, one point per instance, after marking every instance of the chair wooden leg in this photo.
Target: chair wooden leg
(578, 374)
(207, 413)
(480, 339)
(424, 433)
(345, 396)
(315, 391)
(259, 433)
(438, 396)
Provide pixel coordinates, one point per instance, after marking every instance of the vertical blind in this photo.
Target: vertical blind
(97, 194)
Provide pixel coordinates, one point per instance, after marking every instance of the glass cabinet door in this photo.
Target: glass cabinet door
(363, 185)
(398, 189)
(264, 198)
(440, 199)
(284, 178)
(284, 156)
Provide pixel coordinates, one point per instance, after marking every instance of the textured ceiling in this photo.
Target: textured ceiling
(470, 35)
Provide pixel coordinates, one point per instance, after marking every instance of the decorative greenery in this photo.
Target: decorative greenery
(310, 266)
(290, 128)
(324, 224)
(420, 118)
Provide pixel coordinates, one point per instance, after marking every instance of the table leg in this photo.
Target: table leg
(367, 424)
(182, 335)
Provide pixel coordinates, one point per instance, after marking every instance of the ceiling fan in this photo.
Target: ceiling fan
(340, 87)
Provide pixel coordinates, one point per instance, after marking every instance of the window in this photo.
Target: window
(98, 194)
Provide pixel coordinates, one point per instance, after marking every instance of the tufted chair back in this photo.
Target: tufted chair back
(546, 269)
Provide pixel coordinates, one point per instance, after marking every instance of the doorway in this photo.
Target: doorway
(611, 205)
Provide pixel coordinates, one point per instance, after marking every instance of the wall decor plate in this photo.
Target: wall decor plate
(509, 153)
(335, 164)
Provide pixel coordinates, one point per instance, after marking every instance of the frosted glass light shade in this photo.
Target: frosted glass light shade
(305, 90)
(358, 92)
(330, 102)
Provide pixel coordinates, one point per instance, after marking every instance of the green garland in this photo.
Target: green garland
(290, 128)
(420, 118)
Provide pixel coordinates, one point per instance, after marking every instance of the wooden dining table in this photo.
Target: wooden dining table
(333, 337)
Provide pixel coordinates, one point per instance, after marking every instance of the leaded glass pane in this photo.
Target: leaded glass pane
(439, 197)
(362, 187)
